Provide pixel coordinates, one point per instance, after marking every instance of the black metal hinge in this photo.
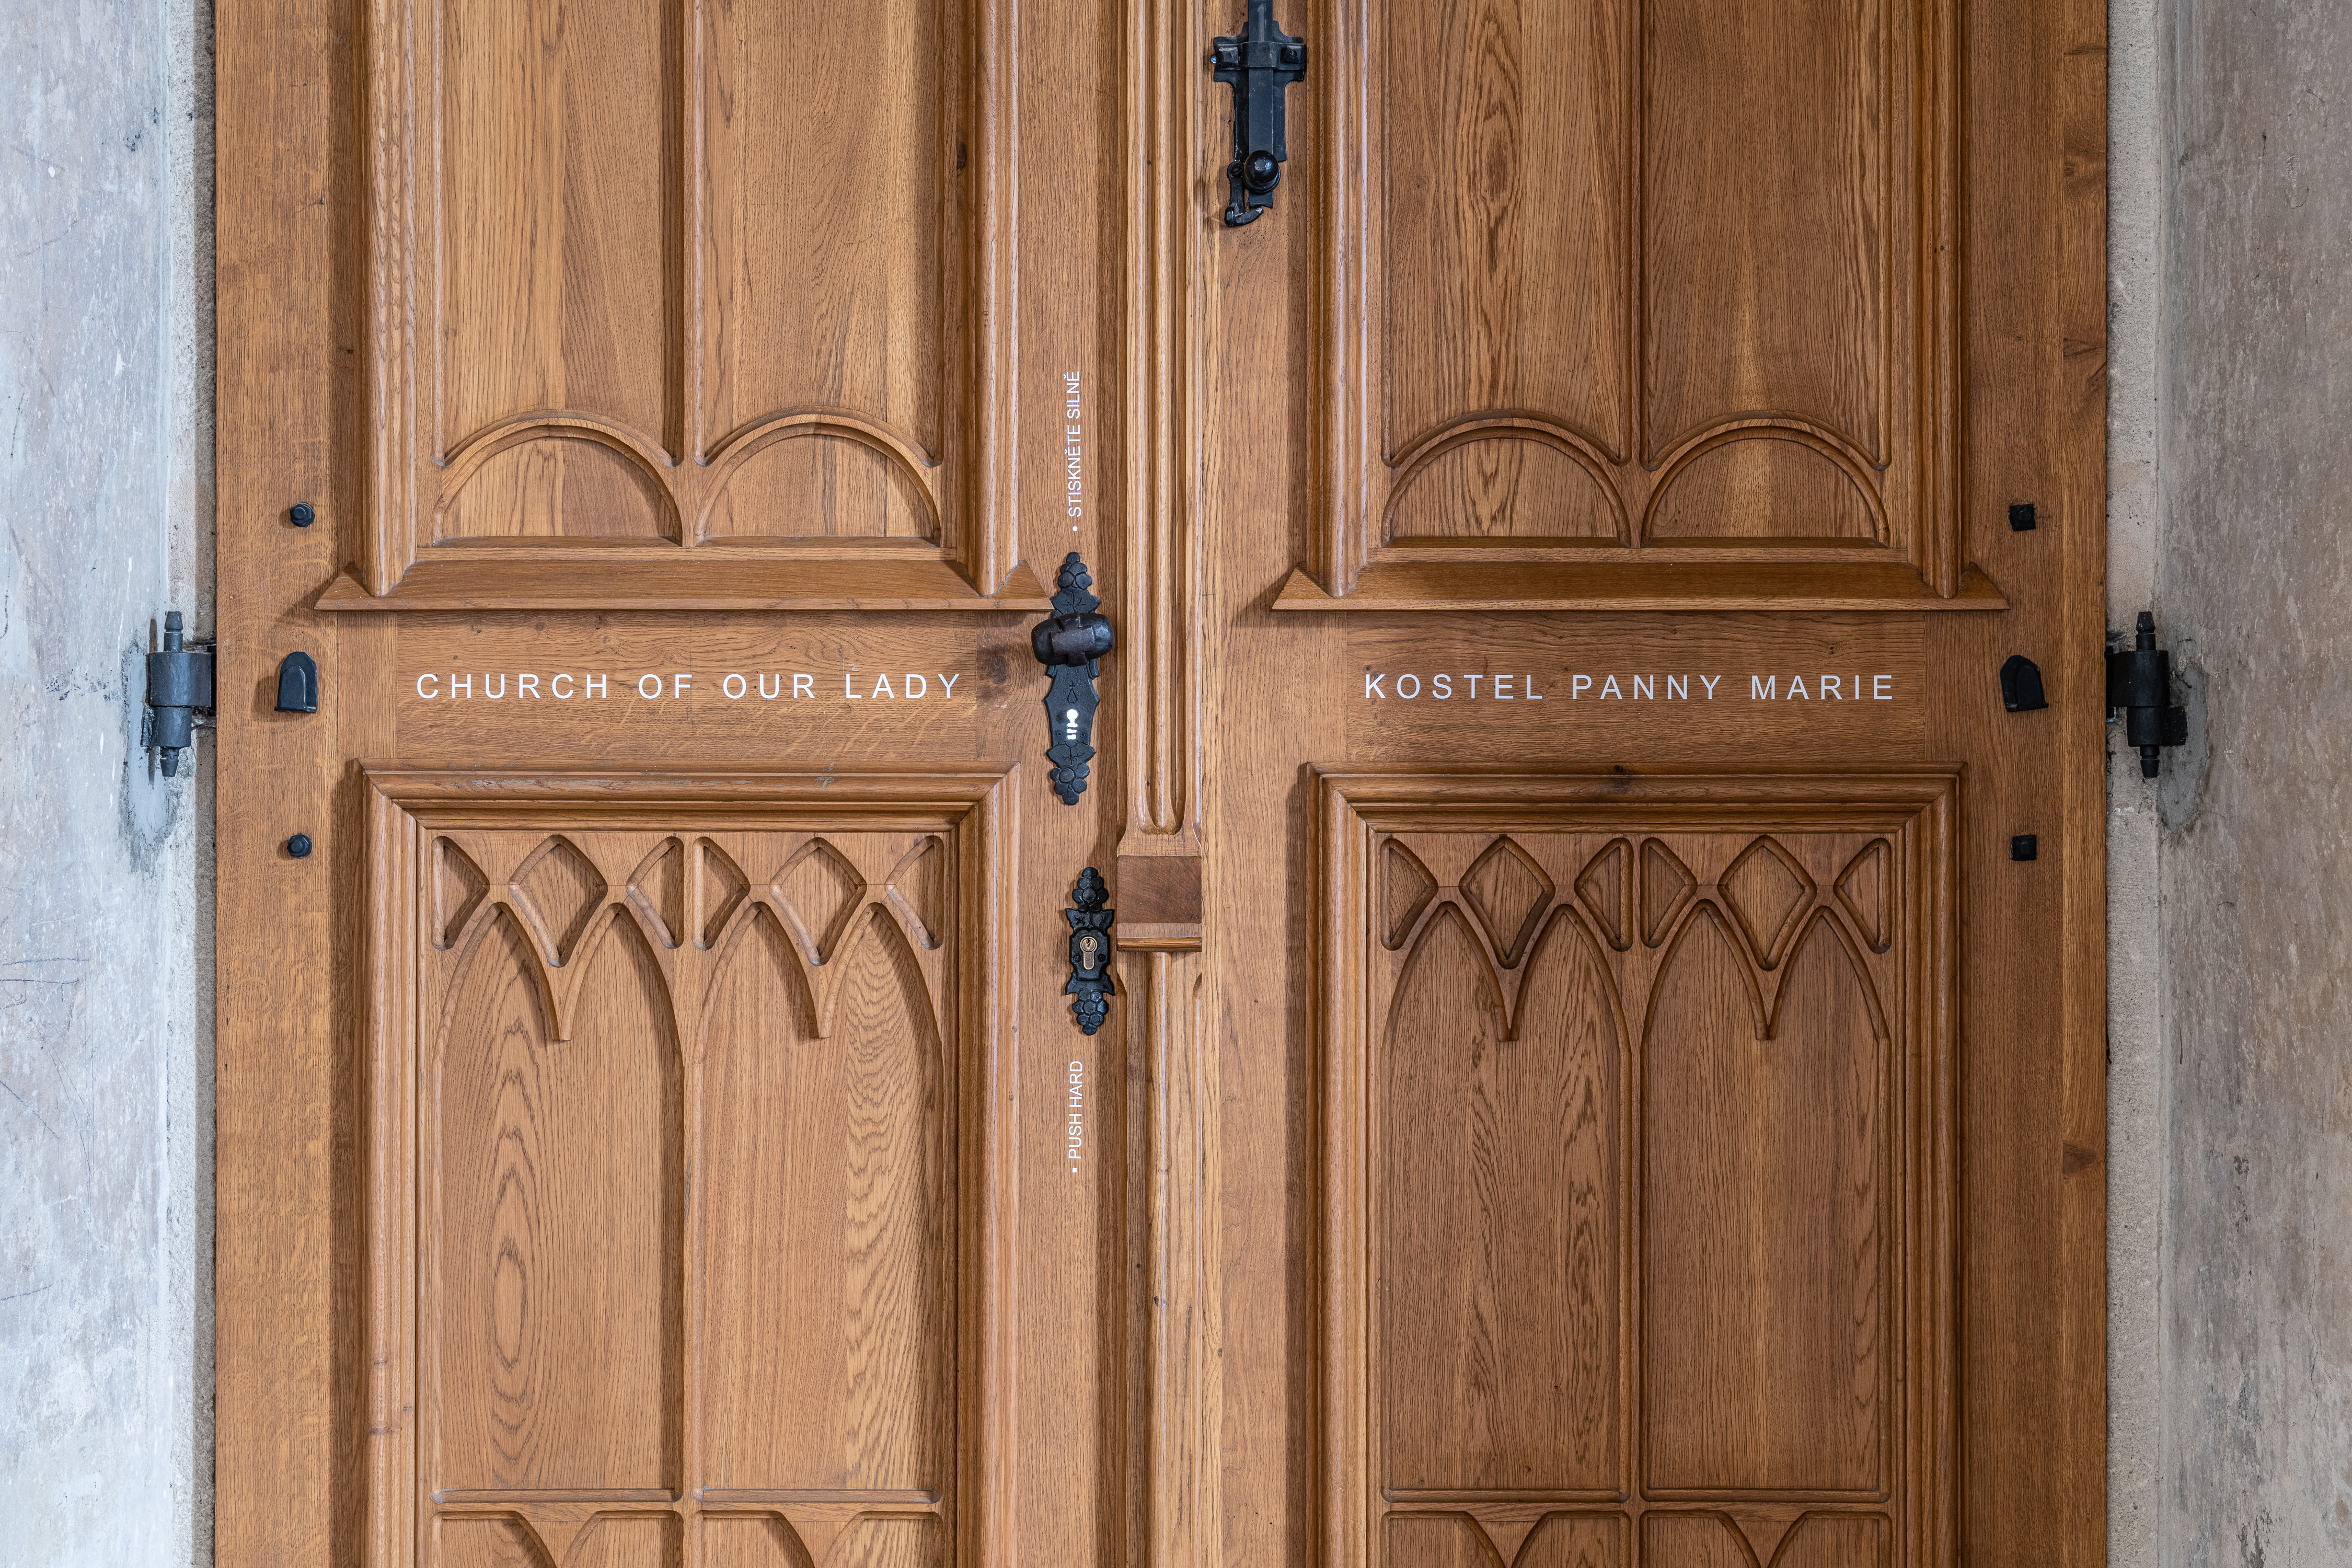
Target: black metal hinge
(179, 687)
(2140, 687)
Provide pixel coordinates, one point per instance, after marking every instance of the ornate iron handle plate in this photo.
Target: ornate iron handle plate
(1069, 646)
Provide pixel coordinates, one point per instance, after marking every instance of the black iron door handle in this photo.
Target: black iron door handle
(1069, 646)
(1261, 64)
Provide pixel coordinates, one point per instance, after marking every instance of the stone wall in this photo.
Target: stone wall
(2137, 180)
(2256, 858)
(105, 909)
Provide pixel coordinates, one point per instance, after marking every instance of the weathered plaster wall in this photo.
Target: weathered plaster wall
(105, 917)
(2138, 178)
(2256, 857)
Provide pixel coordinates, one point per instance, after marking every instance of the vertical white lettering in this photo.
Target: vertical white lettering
(848, 695)
(1644, 687)
(1610, 690)
(1878, 685)
(1503, 689)
(1761, 688)
(1830, 692)
(679, 683)
(594, 686)
(767, 696)
(803, 686)
(1797, 689)
(526, 686)
(917, 687)
(1441, 686)
(1372, 685)
(501, 691)
(1073, 451)
(641, 686)
(421, 680)
(555, 686)
(1576, 685)
(1708, 681)
(1474, 680)
(1409, 695)
(1678, 686)
(465, 681)
(734, 686)
(882, 687)
(1528, 681)
(948, 681)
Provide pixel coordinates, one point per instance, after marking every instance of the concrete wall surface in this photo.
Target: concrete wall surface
(2138, 179)
(2256, 857)
(105, 917)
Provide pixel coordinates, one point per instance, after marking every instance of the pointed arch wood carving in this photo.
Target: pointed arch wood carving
(586, 987)
(1636, 1195)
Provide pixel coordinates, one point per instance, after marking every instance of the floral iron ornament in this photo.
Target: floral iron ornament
(1069, 646)
(1089, 952)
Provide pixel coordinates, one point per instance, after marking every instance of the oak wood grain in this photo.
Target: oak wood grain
(1400, 582)
(291, 1403)
(639, 279)
(642, 583)
(1625, 1200)
(1594, 333)
(787, 988)
(1607, 274)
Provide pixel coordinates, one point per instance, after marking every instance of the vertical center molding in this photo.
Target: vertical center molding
(1160, 586)
(1176, 1461)
(1180, 1411)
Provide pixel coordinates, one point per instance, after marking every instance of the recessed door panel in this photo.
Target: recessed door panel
(650, 277)
(700, 1102)
(1630, 1173)
(1606, 279)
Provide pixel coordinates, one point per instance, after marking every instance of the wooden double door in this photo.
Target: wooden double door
(1604, 1062)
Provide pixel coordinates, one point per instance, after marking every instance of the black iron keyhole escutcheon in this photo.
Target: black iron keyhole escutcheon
(1069, 646)
(1089, 952)
(1261, 64)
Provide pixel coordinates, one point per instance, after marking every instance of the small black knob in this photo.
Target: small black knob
(299, 846)
(300, 515)
(2021, 685)
(2025, 847)
(1260, 171)
(297, 684)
